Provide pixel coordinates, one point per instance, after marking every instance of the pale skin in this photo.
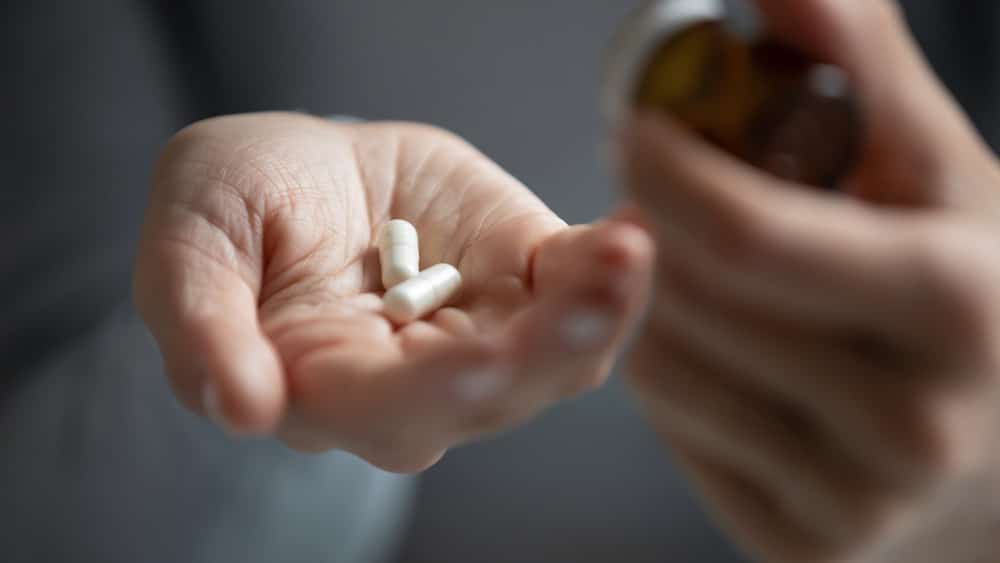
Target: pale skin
(826, 367)
(258, 276)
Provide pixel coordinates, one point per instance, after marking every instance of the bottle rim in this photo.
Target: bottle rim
(645, 30)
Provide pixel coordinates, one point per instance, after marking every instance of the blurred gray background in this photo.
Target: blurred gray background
(586, 482)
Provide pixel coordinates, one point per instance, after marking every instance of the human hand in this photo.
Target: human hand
(257, 277)
(825, 367)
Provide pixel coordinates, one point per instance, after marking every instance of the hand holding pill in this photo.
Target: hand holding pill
(381, 288)
(410, 293)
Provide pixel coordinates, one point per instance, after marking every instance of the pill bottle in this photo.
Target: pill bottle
(709, 65)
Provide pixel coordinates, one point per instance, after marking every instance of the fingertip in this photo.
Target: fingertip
(555, 256)
(624, 245)
(605, 267)
(831, 30)
(245, 393)
(614, 266)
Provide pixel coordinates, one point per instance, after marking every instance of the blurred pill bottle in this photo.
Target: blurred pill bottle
(709, 65)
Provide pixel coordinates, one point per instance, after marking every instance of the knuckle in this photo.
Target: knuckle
(922, 432)
(740, 238)
(959, 300)
(730, 409)
(677, 279)
(645, 364)
(873, 518)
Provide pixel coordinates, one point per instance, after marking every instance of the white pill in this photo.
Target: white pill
(399, 252)
(425, 293)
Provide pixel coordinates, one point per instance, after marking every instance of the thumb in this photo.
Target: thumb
(203, 315)
(913, 126)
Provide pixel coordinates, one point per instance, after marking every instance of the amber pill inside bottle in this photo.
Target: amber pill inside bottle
(750, 95)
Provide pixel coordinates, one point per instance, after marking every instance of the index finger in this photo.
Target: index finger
(801, 251)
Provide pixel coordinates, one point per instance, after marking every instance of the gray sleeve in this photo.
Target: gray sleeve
(101, 464)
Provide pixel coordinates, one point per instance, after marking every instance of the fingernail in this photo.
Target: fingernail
(482, 386)
(587, 329)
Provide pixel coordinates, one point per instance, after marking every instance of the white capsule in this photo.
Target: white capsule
(399, 252)
(418, 296)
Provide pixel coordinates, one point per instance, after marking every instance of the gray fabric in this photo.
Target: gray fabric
(88, 100)
(101, 465)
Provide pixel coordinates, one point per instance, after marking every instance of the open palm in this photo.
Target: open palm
(257, 276)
